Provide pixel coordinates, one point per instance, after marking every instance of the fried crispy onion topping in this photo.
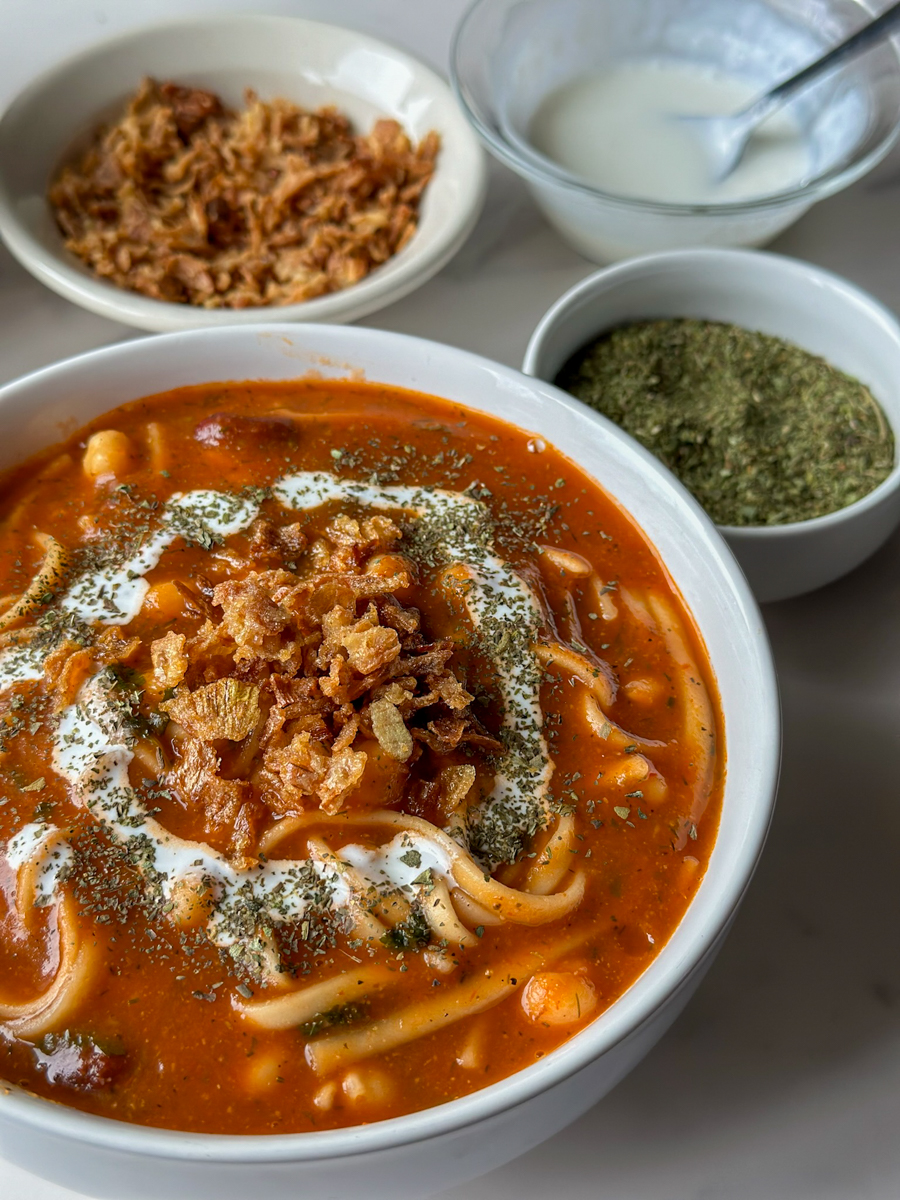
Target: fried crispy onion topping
(311, 687)
(187, 202)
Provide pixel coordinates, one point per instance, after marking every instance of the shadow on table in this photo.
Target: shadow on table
(38, 327)
(806, 992)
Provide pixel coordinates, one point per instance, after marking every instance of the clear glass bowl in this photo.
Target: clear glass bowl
(507, 55)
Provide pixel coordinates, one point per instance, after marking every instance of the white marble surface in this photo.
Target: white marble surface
(783, 1077)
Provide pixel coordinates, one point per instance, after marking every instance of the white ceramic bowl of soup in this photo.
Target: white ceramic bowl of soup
(510, 56)
(306, 62)
(785, 298)
(425, 1152)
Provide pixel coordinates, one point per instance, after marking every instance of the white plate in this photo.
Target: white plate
(304, 61)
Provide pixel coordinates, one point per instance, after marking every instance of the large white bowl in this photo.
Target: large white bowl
(422, 1153)
(782, 297)
(304, 61)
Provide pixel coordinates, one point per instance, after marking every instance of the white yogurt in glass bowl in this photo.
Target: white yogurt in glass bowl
(583, 82)
(619, 131)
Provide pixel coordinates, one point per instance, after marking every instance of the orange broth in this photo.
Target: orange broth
(158, 1033)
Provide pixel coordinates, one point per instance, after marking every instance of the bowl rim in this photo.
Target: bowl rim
(808, 275)
(618, 1023)
(57, 270)
(539, 169)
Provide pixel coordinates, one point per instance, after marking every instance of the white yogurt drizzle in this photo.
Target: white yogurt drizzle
(92, 752)
(114, 595)
(400, 863)
(43, 845)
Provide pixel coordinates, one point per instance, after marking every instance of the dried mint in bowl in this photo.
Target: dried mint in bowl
(760, 431)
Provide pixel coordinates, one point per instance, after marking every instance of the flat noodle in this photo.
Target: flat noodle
(149, 753)
(601, 597)
(335, 1050)
(511, 905)
(699, 723)
(287, 1012)
(614, 735)
(20, 636)
(284, 828)
(156, 444)
(365, 924)
(570, 623)
(594, 675)
(567, 562)
(55, 468)
(473, 1053)
(47, 580)
(492, 898)
(52, 1009)
(440, 914)
(14, 519)
(271, 970)
(636, 606)
(27, 880)
(552, 863)
(370, 904)
(471, 912)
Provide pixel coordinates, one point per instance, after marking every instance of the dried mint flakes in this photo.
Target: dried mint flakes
(760, 431)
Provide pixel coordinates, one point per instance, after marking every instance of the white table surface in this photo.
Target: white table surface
(782, 1079)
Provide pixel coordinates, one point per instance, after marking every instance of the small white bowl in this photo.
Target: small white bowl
(425, 1152)
(770, 294)
(304, 61)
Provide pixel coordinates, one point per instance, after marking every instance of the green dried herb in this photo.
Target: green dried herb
(411, 934)
(762, 432)
(342, 1014)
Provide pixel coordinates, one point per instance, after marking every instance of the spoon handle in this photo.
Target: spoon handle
(854, 44)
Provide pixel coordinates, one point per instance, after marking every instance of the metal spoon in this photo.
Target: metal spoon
(725, 138)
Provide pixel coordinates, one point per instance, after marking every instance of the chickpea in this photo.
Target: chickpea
(688, 873)
(558, 998)
(628, 771)
(367, 1085)
(325, 1096)
(263, 1072)
(654, 789)
(109, 452)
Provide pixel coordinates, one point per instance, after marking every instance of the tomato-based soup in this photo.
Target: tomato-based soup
(357, 751)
